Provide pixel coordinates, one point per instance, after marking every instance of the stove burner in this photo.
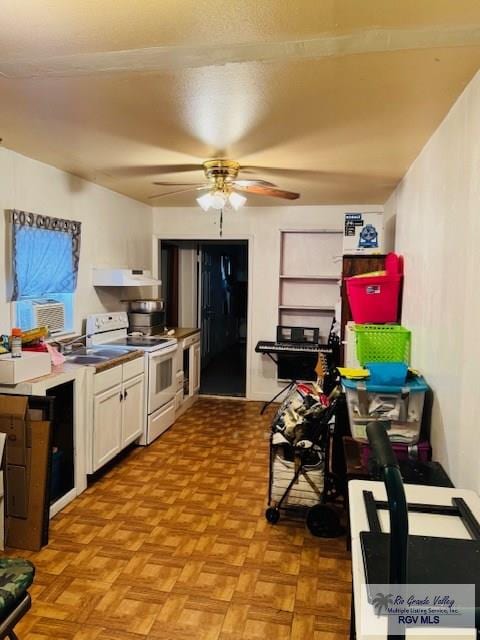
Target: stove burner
(141, 341)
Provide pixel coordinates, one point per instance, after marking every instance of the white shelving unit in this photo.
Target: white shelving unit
(310, 277)
(330, 278)
(306, 307)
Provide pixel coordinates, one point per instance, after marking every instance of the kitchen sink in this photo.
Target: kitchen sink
(94, 355)
(86, 359)
(109, 353)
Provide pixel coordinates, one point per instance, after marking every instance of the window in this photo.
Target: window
(45, 256)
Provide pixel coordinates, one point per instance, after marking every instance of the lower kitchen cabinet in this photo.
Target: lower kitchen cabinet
(118, 410)
(132, 410)
(107, 417)
(188, 373)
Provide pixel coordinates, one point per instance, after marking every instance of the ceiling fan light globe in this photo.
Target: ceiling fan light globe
(236, 200)
(218, 200)
(205, 201)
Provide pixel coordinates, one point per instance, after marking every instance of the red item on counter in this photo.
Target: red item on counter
(40, 347)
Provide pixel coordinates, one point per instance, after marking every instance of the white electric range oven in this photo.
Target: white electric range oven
(110, 329)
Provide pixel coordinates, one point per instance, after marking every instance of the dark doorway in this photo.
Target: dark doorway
(205, 285)
(223, 316)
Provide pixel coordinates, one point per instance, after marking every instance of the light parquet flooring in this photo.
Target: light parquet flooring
(172, 544)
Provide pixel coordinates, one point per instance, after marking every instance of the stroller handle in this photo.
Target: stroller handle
(381, 446)
(397, 502)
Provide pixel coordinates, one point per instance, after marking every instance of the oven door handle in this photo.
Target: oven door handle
(163, 352)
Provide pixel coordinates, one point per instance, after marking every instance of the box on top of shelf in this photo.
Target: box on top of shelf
(363, 232)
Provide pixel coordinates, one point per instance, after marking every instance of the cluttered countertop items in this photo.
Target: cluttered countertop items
(27, 356)
(179, 332)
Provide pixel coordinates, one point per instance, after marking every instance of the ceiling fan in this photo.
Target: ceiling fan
(222, 184)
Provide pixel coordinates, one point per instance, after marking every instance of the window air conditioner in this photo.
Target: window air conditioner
(50, 313)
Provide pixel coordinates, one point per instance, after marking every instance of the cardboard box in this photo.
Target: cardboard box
(28, 451)
(13, 423)
(363, 233)
(31, 365)
(3, 439)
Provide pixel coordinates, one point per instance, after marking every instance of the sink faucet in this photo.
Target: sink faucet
(66, 347)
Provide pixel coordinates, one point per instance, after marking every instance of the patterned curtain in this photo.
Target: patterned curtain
(45, 254)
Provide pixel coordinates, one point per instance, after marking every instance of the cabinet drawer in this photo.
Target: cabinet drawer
(161, 420)
(191, 340)
(107, 379)
(133, 368)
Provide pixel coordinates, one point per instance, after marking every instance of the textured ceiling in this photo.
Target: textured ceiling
(341, 94)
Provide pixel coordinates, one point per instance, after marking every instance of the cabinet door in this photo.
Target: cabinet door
(107, 426)
(196, 367)
(132, 410)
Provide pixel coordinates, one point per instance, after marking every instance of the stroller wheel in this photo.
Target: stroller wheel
(272, 514)
(324, 522)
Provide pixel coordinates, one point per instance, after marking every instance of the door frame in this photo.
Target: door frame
(226, 237)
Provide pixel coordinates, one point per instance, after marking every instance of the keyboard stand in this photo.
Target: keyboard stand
(286, 388)
(289, 386)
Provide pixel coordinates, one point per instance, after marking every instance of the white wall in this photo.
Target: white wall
(116, 230)
(261, 225)
(187, 278)
(437, 206)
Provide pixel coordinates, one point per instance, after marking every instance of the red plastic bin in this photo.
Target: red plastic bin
(375, 298)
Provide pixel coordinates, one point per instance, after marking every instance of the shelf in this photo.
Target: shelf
(298, 307)
(330, 277)
(308, 283)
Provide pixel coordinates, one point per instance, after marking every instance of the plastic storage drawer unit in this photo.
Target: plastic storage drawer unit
(401, 407)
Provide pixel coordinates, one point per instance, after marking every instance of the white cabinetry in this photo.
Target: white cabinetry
(132, 409)
(195, 364)
(188, 378)
(118, 410)
(107, 412)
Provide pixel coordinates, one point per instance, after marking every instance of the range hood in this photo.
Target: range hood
(123, 278)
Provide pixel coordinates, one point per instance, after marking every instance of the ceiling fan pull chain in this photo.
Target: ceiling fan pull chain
(221, 222)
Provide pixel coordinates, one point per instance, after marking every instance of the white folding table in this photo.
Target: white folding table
(425, 524)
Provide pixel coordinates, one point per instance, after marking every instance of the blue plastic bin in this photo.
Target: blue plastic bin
(401, 406)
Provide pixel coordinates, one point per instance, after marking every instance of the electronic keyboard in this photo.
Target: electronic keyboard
(267, 346)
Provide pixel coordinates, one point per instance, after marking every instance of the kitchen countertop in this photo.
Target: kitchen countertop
(180, 333)
(104, 366)
(109, 364)
(70, 367)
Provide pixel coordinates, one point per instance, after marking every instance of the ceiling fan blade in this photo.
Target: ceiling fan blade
(287, 173)
(330, 176)
(154, 169)
(171, 193)
(247, 183)
(178, 184)
(269, 191)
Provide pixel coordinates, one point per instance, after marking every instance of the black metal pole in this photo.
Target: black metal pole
(397, 506)
(398, 511)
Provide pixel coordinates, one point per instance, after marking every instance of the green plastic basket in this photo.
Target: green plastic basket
(382, 343)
